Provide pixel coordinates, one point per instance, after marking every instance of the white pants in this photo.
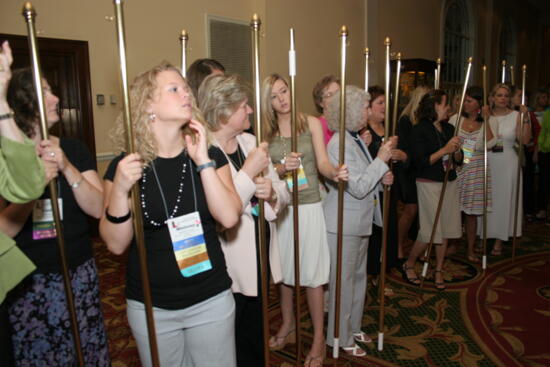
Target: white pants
(202, 335)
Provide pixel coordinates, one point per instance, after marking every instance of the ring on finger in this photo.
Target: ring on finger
(52, 154)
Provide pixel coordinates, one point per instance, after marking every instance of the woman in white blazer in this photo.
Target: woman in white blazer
(224, 102)
(360, 206)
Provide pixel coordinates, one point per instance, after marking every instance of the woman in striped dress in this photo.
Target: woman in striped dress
(470, 175)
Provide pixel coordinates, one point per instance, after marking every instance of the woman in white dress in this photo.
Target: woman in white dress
(503, 160)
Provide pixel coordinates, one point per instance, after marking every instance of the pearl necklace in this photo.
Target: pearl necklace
(178, 198)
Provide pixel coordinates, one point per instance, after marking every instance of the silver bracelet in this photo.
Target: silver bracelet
(206, 165)
(76, 184)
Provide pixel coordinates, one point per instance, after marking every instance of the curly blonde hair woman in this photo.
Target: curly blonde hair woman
(141, 92)
(185, 184)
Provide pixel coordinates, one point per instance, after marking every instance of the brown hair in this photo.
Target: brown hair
(319, 89)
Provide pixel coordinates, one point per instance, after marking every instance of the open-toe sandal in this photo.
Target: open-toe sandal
(410, 280)
(279, 342)
(440, 286)
(355, 351)
(473, 259)
(362, 337)
(315, 361)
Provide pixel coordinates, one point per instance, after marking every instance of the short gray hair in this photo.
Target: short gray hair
(356, 112)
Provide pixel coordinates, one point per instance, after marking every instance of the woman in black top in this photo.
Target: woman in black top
(186, 190)
(376, 127)
(432, 143)
(37, 307)
(405, 180)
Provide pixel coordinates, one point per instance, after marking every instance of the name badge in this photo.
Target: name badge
(189, 245)
(468, 148)
(43, 225)
(302, 179)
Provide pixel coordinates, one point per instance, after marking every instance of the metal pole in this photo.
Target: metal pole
(137, 219)
(341, 184)
(30, 14)
(184, 38)
(386, 206)
(485, 172)
(520, 158)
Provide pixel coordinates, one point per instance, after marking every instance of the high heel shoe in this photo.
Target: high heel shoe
(279, 342)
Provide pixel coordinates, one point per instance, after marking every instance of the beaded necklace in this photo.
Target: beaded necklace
(178, 198)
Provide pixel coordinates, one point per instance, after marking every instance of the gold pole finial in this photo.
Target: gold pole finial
(503, 62)
(524, 67)
(28, 11)
(255, 22)
(344, 31)
(367, 51)
(438, 60)
(470, 60)
(184, 35)
(398, 56)
(387, 41)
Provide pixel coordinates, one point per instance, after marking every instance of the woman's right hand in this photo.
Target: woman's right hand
(385, 151)
(256, 161)
(50, 170)
(128, 172)
(452, 145)
(292, 161)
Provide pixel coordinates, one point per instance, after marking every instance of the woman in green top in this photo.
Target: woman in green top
(314, 254)
(21, 179)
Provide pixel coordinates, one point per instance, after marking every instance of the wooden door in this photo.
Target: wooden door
(65, 65)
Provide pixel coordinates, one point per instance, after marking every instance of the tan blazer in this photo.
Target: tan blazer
(238, 243)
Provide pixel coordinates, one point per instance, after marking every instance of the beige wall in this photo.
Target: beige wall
(153, 27)
(317, 26)
(412, 26)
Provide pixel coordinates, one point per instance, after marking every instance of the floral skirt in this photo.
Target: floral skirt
(40, 323)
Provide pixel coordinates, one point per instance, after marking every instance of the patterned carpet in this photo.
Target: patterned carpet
(497, 318)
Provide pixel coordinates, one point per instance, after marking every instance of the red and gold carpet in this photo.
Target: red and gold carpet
(497, 318)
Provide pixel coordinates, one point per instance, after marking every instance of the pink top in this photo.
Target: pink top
(326, 131)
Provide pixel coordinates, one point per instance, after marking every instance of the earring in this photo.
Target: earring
(152, 117)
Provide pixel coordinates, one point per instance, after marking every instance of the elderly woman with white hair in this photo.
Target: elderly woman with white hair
(365, 174)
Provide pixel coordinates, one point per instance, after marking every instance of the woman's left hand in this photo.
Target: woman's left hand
(523, 109)
(264, 188)
(398, 155)
(50, 151)
(197, 149)
(341, 173)
(387, 179)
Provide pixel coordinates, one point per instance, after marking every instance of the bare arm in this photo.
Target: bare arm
(221, 197)
(526, 136)
(13, 217)
(323, 163)
(118, 236)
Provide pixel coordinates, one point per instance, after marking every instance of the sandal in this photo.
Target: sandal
(279, 342)
(355, 351)
(317, 361)
(473, 259)
(411, 280)
(362, 337)
(440, 286)
(388, 292)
